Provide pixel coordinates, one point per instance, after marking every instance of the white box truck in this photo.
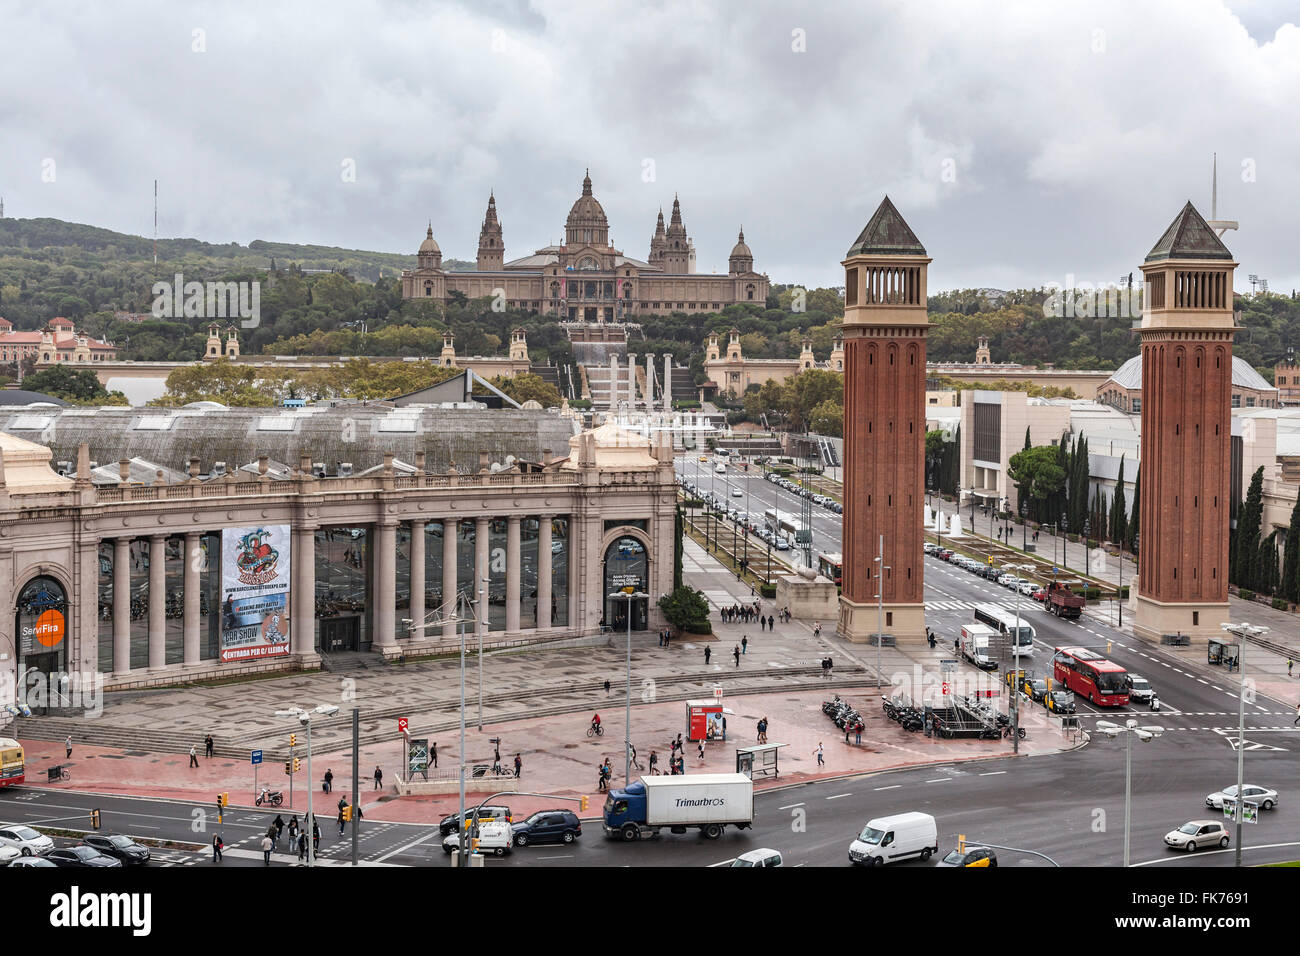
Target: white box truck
(898, 837)
(708, 801)
(976, 645)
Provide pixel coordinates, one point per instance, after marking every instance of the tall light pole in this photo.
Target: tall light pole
(1130, 730)
(1241, 632)
(880, 601)
(1064, 557)
(1024, 526)
(479, 626)
(629, 596)
(460, 819)
(304, 717)
(1087, 551)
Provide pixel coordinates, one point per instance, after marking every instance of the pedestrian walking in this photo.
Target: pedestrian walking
(708, 652)
(329, 780)
(267, 843)
(496, 755)
(769, 622)
(1289, 664)
(661, 638)
(379, 778)
(701, 749)
(606, 688)
(341, 827)
(278, 826)
(857, 731)
(315, 837)
(194, 756)
(680, 747)
(207, 746)
(1297, 715)
(600, 778)
(736, 654)
(654, 759)
(519, 765)
(302, 845)
(817, 629)
(744, 644)
(216, 847)
(293, 830)
(821, 755)
(433, 752)
(67, 745)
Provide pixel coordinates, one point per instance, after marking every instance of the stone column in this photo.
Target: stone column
(613, 382)
(157, 601)
(450, 532)
(513, 549)
(482, 573)
(417, 581)
(544, 572)
(384, 637)
(193, 584)
(302, 627)
(668, 382)
(121, 606)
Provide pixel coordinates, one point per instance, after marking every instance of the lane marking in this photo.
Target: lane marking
(894, 787)
(790, 806)
(838, 795)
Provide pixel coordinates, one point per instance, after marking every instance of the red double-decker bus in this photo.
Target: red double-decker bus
(1090, 675)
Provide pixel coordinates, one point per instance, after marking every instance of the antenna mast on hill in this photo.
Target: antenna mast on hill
(1220, 226)
(155, 222)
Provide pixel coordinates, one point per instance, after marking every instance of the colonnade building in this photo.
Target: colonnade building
(232, 567)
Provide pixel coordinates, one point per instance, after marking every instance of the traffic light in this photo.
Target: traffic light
(293, 740)
(583, 802)
(295, 764)
(94, 819)
(288, 766)
(223, 799)
(473, 845)
(347, 814)
(961, 843)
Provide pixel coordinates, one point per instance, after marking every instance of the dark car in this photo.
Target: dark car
(1059, 701)
(80, 856)
(448, 824)
(119, 847)
(548, 826)
(31, 861)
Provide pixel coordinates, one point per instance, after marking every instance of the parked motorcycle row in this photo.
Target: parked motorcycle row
(840, 711)
(908, 717)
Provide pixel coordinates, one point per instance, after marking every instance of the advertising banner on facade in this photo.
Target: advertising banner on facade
(254, 592)
(417, 757)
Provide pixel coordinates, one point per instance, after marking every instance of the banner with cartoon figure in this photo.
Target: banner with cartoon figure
(254, 592)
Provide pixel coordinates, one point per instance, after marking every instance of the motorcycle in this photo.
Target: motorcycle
(273, 797)
(1155, 702)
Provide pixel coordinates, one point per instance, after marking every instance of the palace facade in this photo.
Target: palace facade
(586, 279)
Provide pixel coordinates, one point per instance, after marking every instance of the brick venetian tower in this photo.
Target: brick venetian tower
(884, 428)
(1187, 329)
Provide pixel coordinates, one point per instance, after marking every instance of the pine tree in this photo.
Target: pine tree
(1133, 540)
(1291, 560)
(1248, 522)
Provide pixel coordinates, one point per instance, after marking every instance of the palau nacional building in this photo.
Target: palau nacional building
(586, 279)
(1186, 334)
(154, 546)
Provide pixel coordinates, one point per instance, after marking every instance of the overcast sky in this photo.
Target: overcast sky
(1022, 141)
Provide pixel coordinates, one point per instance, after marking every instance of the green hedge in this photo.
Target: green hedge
(1280, 605)
(679, 405)
(1246, 595)
(1072, 537)
(693, 503)
(580, 403)
(1091, 593)
(767, 590)
(703, 627)
(1092, 543)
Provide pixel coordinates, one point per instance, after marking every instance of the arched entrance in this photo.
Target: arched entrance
(41, 623)
(627, 565)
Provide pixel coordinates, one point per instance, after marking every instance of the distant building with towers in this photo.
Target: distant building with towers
(586, 279)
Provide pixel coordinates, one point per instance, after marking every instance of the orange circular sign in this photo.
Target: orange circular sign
(49, 628)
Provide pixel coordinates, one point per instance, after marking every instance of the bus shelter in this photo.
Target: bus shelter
(760, 758)
(1221, 652)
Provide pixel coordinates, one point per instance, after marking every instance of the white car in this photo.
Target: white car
(1262, 797)
(737, 493)
(1196, 835)
(8, 854)
(494, 836)
(759, 858)
(25, 840)
(1028, 588)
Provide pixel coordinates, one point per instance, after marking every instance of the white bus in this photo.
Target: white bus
(1004, 622)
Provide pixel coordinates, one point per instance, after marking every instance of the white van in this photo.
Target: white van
(900, 837)
(494, 836)
(720, 468)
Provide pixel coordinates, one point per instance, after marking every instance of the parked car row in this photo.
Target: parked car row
(497, 834)
(827, 502)
(23, 846)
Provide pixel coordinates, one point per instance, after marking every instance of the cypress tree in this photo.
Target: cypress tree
(1291, 557)
(1248, 521)
(1118, 518)
(1267, 573)
(1133, 541)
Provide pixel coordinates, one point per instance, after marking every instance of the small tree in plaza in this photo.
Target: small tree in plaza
(686, 609)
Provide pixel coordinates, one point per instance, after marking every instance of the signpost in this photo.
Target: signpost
(255, 758)
(403, 728)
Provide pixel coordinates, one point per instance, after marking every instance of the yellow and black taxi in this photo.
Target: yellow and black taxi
(972, 856)
(1059, 701)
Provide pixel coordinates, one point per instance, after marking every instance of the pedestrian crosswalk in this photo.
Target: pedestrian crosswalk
(970, 605)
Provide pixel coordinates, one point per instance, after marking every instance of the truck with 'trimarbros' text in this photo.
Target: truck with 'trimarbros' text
(710, 802)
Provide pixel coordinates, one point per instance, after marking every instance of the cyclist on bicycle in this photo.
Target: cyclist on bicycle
(595, 722)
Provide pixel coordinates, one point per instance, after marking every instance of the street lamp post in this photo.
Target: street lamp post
(304, 717)
(1130, 729)
(880, 601)
(1087, 552)
(1065, 563)
(1241, 632)
(630, 596)
(1024, 526)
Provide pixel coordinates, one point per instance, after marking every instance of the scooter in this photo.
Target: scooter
(273, 797)
(1155, 702)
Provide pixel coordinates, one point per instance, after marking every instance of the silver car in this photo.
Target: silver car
(1197, 834)
(1262, 797)
(25, 840)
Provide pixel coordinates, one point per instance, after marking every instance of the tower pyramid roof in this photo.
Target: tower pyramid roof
(887, 234)
(1189, 237)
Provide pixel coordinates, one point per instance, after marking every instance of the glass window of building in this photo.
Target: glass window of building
(105, 612)
(560, 572)
(343, 590)
(174, 641)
